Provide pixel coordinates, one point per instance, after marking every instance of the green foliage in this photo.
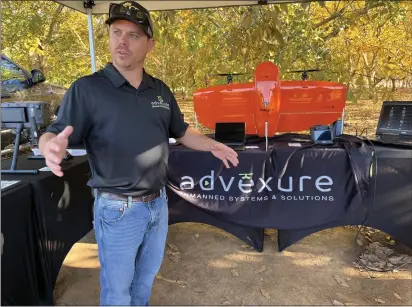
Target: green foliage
(351, 97)
(365, 44)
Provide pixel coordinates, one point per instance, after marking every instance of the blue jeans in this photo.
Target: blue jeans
(131, 238)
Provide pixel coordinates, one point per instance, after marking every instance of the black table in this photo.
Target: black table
(42, 218)
(297, 207)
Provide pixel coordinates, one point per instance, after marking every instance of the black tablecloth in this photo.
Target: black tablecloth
(181, 211)
(389, 210)
(41, 220)
(300, 206)
(20, 262)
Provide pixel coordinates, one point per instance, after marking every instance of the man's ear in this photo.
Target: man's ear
(151, 44)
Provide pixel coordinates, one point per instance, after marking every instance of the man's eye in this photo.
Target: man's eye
(134, 36)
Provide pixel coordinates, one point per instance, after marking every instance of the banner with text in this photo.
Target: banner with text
(316, 188)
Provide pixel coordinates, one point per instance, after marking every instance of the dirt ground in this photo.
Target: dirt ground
(211, 267)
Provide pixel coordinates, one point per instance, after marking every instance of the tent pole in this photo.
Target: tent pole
(91, 39)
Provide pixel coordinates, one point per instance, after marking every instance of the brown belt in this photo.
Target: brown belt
(146, 198)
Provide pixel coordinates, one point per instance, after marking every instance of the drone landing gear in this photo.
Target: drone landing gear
(13, 169)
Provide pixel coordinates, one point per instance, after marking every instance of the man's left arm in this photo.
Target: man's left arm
(194, 139)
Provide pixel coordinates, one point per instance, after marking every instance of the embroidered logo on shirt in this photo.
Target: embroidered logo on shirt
(160, 103)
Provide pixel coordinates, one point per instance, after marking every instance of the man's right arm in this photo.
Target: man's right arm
(71, 127)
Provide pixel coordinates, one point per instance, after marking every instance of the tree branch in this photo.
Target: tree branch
(330, 18)
(357, 14)
(53, 24)
(79, 37)
(214, 22)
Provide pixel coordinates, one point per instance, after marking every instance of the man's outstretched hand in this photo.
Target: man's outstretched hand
(194, 139)
(225, 153)
(55, 150)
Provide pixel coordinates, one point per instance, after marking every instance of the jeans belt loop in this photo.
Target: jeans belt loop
(129, 201)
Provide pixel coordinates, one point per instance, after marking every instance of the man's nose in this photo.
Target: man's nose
(123, 39)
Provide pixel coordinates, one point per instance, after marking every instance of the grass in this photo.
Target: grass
(361, 117)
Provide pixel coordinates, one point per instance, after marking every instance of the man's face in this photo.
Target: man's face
(129, 44)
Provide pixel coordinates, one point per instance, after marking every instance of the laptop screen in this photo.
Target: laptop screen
(322, 135)
(230, 133)
(395, 118)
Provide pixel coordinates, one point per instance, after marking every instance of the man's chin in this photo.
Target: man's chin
(125, 64)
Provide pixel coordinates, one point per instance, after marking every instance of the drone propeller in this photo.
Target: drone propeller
(304, 70)
(305, 75)
(230, 74)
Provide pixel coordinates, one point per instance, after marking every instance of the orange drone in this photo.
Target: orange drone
(286, 106)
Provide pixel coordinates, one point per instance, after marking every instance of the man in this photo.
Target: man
(125, 118)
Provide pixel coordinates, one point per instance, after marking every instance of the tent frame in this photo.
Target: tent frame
(89, 9)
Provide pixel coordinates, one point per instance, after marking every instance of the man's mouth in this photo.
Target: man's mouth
(122, 52)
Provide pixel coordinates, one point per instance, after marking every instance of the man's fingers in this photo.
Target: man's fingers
(58, 173)
(233, 152)
(58, 144)
(55, 168)
(54, 147)
(54, 158)
(65, 133)
(234, 161)
(225, 163)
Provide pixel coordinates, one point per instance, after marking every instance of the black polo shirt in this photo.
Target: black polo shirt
(125, 130)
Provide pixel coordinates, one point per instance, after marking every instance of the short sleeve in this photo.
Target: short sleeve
(73, 111)
(178, 126)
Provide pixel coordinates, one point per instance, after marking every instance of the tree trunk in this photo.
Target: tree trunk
(36, 58)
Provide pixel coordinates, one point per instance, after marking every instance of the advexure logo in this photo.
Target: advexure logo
(207, 183)
(245, 184)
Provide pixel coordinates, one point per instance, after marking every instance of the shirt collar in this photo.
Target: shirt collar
(147, 81)
(118, 80)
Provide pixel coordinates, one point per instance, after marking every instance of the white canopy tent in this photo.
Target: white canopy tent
(102, 6)
(97, 7)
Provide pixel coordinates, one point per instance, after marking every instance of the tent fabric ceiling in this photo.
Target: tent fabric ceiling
(102, 6)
